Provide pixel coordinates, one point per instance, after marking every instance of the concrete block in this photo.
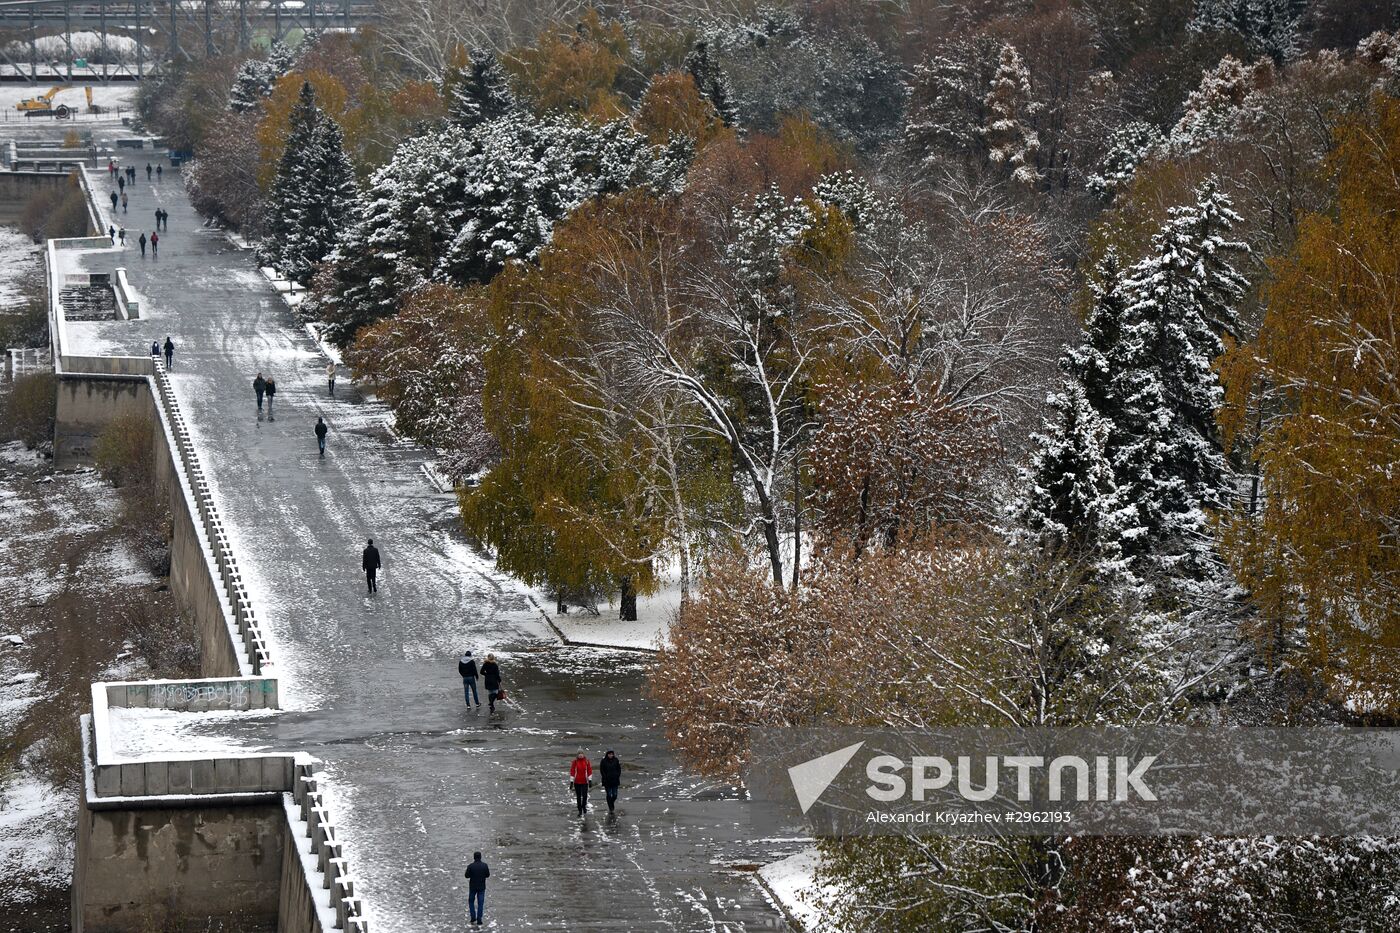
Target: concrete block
(273, 773)
(203, 777)
(137, 696)
(157, 777)
(226, 775)
(116, 695)
(133, 780)
(179, 777)
(250, 775)
(107, 780)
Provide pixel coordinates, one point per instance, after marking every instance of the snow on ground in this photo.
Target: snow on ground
(793, 882)
(33, 832)
(655, 613)
(18, 256)
(140, 732)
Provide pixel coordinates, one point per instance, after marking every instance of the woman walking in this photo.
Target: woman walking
(491, 680)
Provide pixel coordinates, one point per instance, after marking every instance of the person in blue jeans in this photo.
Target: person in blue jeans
(466, 666)
(476, 875)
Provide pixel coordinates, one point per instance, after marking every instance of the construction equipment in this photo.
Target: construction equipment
(43, 106)
(92, 108)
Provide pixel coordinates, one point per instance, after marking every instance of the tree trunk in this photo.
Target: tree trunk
(796, 525)
(628, 601)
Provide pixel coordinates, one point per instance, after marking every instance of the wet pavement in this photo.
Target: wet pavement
(417, 782)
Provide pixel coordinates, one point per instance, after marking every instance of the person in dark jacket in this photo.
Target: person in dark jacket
(491, 680)
(270, 387)
(466, 666)
(581, 777)
(476, 874)
(121, 185)
(114, 200)
(112, 232)
(260, 386)
(149, 170)
(321, 435)
(142, 241)
(369, 560)
(160, 171)
(155, 244)
(155, 349)
(169, 352)
(610, 774)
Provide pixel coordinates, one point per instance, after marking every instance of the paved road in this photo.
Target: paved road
(418, 782)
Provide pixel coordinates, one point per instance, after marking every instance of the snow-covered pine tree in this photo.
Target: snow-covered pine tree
(312, 195)
(477, 91)
(947, 107)
(1184, 299)
(1128, 146)
(1270, 27)
(710, 79)
(253, 82)
(1072, 502)
(1011, 141)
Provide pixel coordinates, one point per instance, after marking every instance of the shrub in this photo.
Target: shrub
(28, 411)
(123, 452)
(57, 212)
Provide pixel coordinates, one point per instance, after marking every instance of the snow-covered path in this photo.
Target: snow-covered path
(417, 782)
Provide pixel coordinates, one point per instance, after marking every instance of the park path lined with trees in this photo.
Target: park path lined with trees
(419, 783)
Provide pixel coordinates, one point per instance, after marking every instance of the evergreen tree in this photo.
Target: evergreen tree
(1011, 141)
(253, 82)
(1270, 27)
(710, 79)
(1184, 295)
(1128, 146)
(312, 195)
(477, 91)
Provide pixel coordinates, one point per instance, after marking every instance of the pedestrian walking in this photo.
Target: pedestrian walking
(371, 563)
(121, 236)
(466, 666)
(270, 387)
(148, 171)
(476, 874)
(112, 168)
(165, 220)
(159, 172)
(581, 776)
(491, 680)
(121, 184)
(155, 350)
(321, 435)
(131, 174)
(610, 775)
(259, 387)
(155, 245)
(123, 202)
(157, 218)
(112, 232)
(142, 241)
(114, 200)
(169, 352)
(330, 376)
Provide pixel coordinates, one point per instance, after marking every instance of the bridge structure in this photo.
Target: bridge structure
(129, 40)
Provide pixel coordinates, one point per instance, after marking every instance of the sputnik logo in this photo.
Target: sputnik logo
(811, 778)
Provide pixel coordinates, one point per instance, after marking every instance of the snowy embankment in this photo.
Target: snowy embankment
(18, 258)
(792, 882)
(113, 97)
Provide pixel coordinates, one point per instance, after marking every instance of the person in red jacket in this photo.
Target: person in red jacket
(581, 774)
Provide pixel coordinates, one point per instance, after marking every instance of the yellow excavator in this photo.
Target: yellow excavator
(43, 106)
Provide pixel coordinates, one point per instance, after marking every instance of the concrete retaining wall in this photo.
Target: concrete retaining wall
(127, 305)
(16, 188)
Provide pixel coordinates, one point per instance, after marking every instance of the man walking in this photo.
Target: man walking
(476, 874)
(142, 241)
(321, 436)
(169, 352)
(121, 237)
(148, 171)
(270, 388)
(610, 773)
(330, 376)
(155, 245)
(159, 171)
(466, 666)
(369, 560)
(112, 232)
(158, 212)
(121, 183)
(260, 386)
(114, 200)
(581, 774)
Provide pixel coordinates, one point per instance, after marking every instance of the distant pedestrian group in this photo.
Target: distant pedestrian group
(162, 219)
(265, 389)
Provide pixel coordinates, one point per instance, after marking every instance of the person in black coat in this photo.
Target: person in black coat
(270, 387)
(321, 430)
(476, 874)
(169, 353)
(466, 666)
(259, 387)
(369, 560)
(491, 680)
(610, 773)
